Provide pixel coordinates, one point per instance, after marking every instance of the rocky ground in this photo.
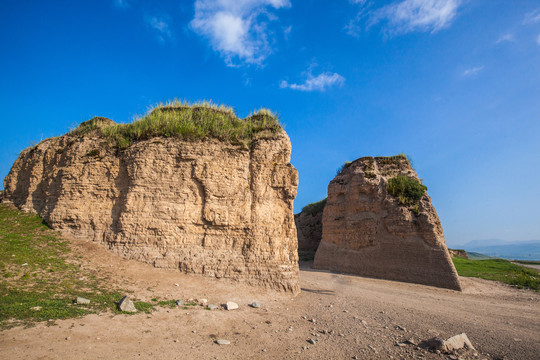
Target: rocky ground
(334, 317)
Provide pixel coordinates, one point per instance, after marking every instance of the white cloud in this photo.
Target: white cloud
(532, 17)
(316, 83)
(237, 29)
(508, 37)
(416, 15)
(472, 71)
(161, 25)
(121, 3)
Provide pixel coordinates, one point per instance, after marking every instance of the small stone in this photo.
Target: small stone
(312, 320)
(223, 342)
(82, 301)
(304, 317)
(35, 308)
(411, 341)
(212, 307)
(342, 335)
(127, 305)
(203, 301)
(231, 305)
(304, 347)
(400, 344)
(25, 264)
(312, 341)
(176, 284)
(194, 331)
(364, 322)
(179, 302)
(69, 337)
(399, 327)
(255, 304)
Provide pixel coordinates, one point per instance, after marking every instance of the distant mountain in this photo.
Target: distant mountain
(526, 250)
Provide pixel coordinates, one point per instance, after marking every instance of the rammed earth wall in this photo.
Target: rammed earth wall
(204, 207)
(366, 231)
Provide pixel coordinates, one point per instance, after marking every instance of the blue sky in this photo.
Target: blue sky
(454, 84)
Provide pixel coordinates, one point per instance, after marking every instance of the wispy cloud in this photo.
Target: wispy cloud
(161, 25)
(416, 15)
(508, 37)
(472, 71)
(532, 17)
(121, 3)
(316, 83)
(237, 29)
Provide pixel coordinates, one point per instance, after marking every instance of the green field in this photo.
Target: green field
(499, 270)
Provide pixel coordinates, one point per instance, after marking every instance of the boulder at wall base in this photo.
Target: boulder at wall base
(371, 230)
(206, 207)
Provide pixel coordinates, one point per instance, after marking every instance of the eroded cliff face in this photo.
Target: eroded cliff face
(366, 231)
(204, 207)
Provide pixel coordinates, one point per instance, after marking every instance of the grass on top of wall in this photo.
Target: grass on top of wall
(188, 122)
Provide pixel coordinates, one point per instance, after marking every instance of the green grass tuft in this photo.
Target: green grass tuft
(408, 191)
(188, 122)
(499, 270)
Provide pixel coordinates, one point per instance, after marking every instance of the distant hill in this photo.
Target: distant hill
(527, 250)
(479, 256)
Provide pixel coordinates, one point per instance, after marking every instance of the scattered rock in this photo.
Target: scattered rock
(457, 342)
(179, 302)
(176, 284)
(400, 344)
(126, 305)
(312, 341)
(223, 342)
(231, 305)
(364, 322)
(452, 344)
(82, 301)
(399, 327)
(312, 320)
(212, 307)
(203, 301)
(255, 304)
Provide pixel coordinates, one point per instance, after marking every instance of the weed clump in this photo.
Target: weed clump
(408, 191)
(188, 122)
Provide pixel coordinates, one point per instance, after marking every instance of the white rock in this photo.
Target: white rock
(231, 305)
(82, 301)
(223, 342)
(127, 305)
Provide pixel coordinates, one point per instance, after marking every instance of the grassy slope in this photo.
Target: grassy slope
(499, 270)
(36, 281)
(40, 279)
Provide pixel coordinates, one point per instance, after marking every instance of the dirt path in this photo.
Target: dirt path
(532, 266)
(349, 316)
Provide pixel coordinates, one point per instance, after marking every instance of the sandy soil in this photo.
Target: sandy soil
(348, 315)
